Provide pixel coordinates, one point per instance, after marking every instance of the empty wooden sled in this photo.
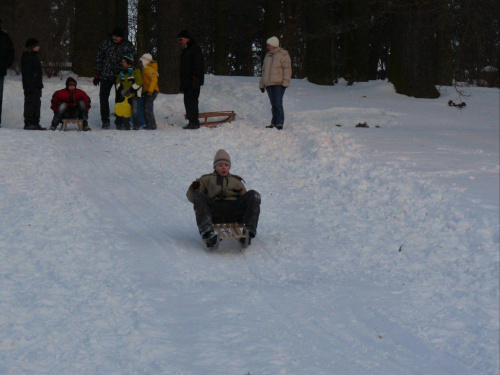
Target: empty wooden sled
(215, 118)
(231, 230)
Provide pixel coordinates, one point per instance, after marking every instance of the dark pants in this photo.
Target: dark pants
(104, 92)
(148, 110)
(64, 112)
(1, 96)
(244, 210)
(276, 97)
(32, 104)
(191, 104)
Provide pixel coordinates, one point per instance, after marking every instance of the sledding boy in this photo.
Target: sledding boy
(128, 83)
(221, 197)
(70, 103)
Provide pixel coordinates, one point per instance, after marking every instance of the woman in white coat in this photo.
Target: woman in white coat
(276, 75)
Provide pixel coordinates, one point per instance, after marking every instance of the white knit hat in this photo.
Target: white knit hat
(222, 155)
(273, 41)
(146, 58)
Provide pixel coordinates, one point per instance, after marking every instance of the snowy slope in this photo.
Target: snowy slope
(377, 249)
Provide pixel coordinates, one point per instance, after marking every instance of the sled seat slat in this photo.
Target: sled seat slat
(65, 122)
(230, 230)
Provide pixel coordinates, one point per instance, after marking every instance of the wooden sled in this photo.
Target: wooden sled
(231, 230)
(227, 116)
(79, 124)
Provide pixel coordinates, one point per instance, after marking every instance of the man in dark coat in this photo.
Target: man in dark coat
(192, 74)
(107, 66)
(31, 70)
(6, 59)
(70, 103)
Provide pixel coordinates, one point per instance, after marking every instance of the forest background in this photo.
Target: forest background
(416, 44)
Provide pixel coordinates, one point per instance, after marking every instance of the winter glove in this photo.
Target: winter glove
(262, 90)
(195, 185)
(195, 83)
(95, 81)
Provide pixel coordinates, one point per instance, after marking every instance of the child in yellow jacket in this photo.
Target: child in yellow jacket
(150, 88)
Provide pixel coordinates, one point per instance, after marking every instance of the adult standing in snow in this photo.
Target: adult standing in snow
(150, 88)
(107, 67)
(6, 59)
(221, 197)
(31, 70)
(71, 103)
(192, 76)
(276, 75)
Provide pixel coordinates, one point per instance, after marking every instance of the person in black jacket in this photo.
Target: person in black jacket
(6, 59)
(31, 70)
(191, 77)
(108, 64)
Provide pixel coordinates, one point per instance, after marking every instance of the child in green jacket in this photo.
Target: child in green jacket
(128, 84)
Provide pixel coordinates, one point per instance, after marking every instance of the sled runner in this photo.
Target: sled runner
(79, 123)
(231, 230)
(218, 118)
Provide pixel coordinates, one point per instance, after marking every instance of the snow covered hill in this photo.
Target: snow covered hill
(377, 249)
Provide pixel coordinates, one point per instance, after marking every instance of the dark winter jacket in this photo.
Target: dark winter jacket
(6, 53)
(108, 61)
(71, 98)
(31, 70)
(192, 67)
(216, 187)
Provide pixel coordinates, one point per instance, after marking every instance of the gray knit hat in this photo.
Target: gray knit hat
(222, 155)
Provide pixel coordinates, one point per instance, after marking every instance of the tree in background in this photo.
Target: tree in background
(319, 54)
(94, 21)
(419, 44)
(413, 47)
(171, 13)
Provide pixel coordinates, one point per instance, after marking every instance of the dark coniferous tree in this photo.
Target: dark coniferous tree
(318, 59)
(94, 21)
(413, 47)
(171, 13)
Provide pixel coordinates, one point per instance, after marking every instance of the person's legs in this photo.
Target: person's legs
(276, 94)
(149, 111)
(270, 93)
(191, 104)
(134, 103)
(32, 103)
(245, 210)
(58, 116)
(104, 92)
(82, 113)
(202, 209)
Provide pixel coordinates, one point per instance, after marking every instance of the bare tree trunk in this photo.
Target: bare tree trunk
(27, 24)
(271, 20)
(412, 61)
(94, 21)
(171, 15)
(220, 63)
(318, 58)
(146, 26)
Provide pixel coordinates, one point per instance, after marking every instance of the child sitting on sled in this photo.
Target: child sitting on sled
(221, 197)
